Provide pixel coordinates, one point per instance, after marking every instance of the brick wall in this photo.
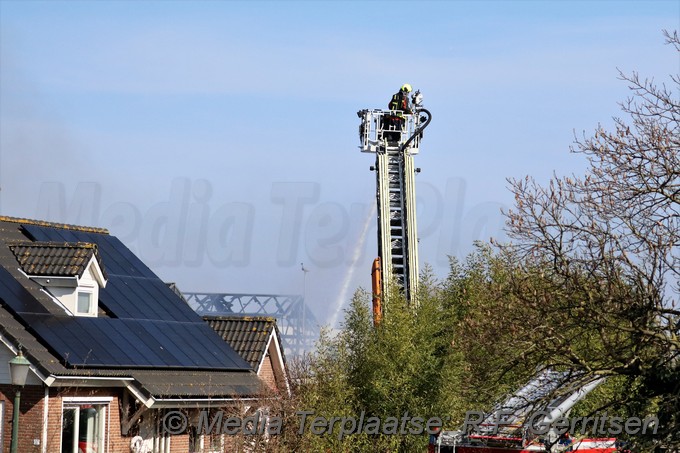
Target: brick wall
(179, 444)
(114, 440)
(31, 420)
(30, 417)
(267, 373)
(53, 421)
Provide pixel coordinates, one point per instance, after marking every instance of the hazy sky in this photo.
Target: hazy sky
(219, 139)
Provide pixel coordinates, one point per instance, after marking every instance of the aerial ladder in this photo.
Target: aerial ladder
(394, 137)
(540, 394)
(548, 396)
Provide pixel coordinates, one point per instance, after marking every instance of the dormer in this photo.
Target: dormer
(71, 272)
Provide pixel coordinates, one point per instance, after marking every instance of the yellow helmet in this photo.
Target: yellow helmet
(406, 87)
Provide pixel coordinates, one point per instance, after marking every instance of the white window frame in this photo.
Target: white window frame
(90, 293)
(76, 403)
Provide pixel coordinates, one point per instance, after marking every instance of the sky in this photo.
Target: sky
(219, 139)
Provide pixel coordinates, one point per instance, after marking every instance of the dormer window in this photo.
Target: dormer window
(71, 272)
(84, 303)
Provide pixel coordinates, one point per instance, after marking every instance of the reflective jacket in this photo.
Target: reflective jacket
(400, 102)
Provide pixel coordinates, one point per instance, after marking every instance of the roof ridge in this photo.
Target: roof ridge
(64, 226)
(238, 317)
(27, 243)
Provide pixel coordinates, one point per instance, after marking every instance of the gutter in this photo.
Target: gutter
(169, 403)
(87, 381)
(150, 402)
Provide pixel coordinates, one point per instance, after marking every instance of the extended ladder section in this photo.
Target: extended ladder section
(537, 395)
(397, 231)
(394, 138)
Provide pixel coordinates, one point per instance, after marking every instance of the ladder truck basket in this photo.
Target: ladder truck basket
(383, 130)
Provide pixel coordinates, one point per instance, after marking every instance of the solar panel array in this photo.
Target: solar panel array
(133, 290)
(132, 343)
(150, 326)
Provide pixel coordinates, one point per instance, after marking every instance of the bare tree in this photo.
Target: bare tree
(600, 258)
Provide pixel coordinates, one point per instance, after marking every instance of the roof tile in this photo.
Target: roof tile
(247, 335)
(63, 259)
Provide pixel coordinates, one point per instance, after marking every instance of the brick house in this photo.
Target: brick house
(257, 340)
(112, 349)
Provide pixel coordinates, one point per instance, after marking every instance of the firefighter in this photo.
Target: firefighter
(399, 102)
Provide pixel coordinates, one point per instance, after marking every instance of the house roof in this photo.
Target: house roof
(144, 329)
(62, 259)
(188, 384)
(64, 226)
(248, 335)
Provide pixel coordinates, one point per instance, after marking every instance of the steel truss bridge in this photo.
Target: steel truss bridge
(298, 327)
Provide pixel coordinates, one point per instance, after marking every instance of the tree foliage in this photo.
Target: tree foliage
(388, 371)
(433, 359)
(599, 259)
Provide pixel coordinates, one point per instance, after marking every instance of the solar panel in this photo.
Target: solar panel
(126, 263)
(112, 265)
(130, 297)
(132, 290)
(62, 340)
(135, 263)
(16, 296)
(171, 340)
(156, 345)
(130, 343)
(67, 235)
